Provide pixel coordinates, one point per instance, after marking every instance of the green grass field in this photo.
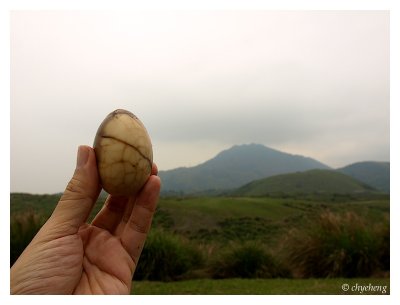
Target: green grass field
(210, 229)
(229, 218)
(191, 214)
(263, 287)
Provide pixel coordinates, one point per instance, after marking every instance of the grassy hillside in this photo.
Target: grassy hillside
(309, 182)
(376, 174)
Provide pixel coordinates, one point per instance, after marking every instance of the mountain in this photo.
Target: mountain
(234, 167)
(310, 182)
(376, 174)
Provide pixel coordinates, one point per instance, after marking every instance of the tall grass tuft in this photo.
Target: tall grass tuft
(248, 260)
(336, 245)
(167, 257)
(385, 247)
(23, 227)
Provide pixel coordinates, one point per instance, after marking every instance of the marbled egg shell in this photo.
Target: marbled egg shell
(124, 153)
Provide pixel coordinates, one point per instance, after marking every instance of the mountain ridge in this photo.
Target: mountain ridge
(373, 173)
(234, 167)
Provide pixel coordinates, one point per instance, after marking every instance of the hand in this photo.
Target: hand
(69, 256)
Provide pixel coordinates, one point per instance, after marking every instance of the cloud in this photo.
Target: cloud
(308, 82)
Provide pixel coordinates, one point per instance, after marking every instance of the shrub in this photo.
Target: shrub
(385, 247)
(248, 260)
(162, 219)
(166, 257)
(246, 228)
(335, 246)
(23, 227)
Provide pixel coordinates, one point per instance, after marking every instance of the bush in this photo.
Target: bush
(166, 257)
(23, 227)
(385, 247)
(248, 260)
(336, 246)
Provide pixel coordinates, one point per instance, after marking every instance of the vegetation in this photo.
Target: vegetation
(259, 237)
(248, 260)
(24, 227)
(167, 257)
(308, 232)
(309, 182)
(337, 245)
(262, 286)
(376, 174)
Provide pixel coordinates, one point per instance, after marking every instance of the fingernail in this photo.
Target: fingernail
(83, 156)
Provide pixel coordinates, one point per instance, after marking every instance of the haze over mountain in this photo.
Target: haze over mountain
(309, 182)
(235, 167)
(376, 174)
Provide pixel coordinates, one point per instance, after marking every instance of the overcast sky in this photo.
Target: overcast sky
(311, 83)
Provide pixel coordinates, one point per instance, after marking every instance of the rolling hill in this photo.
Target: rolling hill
(376, 174)
(234, 167)
(309, 182)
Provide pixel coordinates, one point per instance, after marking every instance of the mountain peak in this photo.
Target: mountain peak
(247, 150)
(234, 167)
(250, 147)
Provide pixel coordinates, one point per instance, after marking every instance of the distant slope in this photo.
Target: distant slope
(376, 174)
(309, 182)
(234, 167)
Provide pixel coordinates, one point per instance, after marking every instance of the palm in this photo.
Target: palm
(99, 258)
(106, 266)
(70, 256)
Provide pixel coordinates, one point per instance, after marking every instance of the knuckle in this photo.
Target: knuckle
(75, 190)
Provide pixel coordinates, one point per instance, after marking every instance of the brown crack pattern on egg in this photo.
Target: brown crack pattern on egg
(123, 152)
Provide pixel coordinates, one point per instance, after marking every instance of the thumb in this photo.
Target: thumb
(81, 193)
